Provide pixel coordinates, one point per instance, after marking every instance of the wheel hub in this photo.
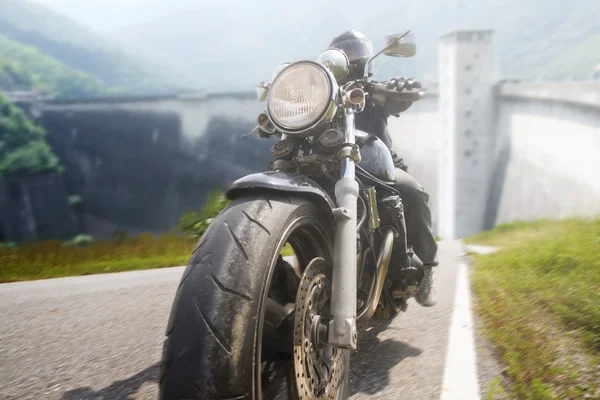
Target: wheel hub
(318, 366)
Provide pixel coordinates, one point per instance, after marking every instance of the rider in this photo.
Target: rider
(358, 48)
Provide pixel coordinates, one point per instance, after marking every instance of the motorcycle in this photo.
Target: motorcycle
(270, 303)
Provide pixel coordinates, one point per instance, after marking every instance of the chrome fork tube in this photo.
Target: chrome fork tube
(347, 164)
(342, 327)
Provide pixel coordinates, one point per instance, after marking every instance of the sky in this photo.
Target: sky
(110, 15)
(90, 3)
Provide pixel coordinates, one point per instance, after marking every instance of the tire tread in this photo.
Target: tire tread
(219, 296)
(213, 330)
(232, 292)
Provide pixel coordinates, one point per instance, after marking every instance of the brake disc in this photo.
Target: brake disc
(318, 366)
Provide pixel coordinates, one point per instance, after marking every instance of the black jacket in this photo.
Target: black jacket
(373, 120)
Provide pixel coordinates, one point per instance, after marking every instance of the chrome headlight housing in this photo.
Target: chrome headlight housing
(336, 61)
(279, 69)
(302, 96)
(262, 89)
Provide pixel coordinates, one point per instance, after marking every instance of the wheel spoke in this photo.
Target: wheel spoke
(276, 314)
(291, 383)
(274, 377)
(278, 329)
(279, 376)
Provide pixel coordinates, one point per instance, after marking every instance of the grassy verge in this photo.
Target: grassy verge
(539, 298)
(52, 259)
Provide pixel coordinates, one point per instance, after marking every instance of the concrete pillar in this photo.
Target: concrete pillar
(466, 110)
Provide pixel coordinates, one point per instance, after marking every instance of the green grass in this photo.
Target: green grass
(539, 298)
(287, 250)
(52, 259)
(516, 232)
(495, 390)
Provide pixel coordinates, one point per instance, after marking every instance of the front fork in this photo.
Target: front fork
(342, 327)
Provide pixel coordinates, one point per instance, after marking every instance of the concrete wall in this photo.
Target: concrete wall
(35, 207)
(547, 152)
(511, 151)
(466, 104)
(544, 152)
(522, 152)
(139, 163)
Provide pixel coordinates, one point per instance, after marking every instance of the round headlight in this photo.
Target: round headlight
(300, 96)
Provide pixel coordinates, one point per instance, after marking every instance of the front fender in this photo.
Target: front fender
(284, 182)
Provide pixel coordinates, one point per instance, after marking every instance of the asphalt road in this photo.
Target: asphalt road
(100, 337)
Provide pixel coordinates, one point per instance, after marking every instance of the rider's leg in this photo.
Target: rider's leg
(419, 232)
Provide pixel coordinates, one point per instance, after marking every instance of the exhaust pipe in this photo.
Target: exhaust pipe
(383, 262)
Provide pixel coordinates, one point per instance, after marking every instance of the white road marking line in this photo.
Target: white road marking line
(460, 375)
(481, 249)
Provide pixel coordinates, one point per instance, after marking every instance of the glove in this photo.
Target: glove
(401, 84)
(399, 161)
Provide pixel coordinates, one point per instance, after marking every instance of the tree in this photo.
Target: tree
(196, 224)
(23, 146)
(13, 76)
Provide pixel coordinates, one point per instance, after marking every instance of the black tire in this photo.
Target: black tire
(215, 331)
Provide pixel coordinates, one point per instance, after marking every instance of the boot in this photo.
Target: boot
(427, 294)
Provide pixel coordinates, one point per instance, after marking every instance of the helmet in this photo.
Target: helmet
(358, 49)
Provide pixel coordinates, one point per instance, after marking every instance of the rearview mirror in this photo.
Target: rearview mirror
(262, 89)
(400, 45)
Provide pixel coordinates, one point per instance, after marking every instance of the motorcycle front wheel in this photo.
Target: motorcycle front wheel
(237, 329)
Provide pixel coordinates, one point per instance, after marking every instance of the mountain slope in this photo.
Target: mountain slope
(23, 67)
(232, 45)
(84, 53)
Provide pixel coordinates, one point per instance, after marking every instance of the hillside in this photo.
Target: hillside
(69, 60)
(223, 45)
(232, 45)
(23, 67)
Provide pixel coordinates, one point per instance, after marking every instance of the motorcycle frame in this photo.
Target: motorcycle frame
(342, 329)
